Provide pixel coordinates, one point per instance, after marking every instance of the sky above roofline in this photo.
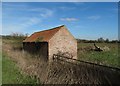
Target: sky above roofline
(84, 20)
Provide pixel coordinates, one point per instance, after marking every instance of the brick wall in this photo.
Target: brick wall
(62, 41)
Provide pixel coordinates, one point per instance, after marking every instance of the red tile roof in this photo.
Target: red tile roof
(42, 36)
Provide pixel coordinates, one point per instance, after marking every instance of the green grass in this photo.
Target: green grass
(109, 58)
(0, 67)
(11, 73)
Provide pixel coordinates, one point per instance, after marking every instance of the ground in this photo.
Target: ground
(0, 67)
(108, 57)
(26, 68)
(11, 73)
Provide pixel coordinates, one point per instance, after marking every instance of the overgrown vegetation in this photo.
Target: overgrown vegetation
(0, 64)
(108, 57)
(39, 39)
(11, 73)
(61, 72)
(12, 66)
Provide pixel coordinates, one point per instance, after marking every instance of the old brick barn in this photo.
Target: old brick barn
(52, 41)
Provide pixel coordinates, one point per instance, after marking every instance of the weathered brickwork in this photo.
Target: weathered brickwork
(62, 41)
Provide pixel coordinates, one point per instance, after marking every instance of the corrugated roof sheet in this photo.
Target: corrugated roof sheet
(42, 36)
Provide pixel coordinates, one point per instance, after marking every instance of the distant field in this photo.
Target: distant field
(108, 57)
(11, 73)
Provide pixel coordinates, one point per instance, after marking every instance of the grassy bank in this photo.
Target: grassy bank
(11, 73)
(109, 57)
(0, 67)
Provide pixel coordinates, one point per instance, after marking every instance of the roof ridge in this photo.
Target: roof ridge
(51, 28)
(47, 34)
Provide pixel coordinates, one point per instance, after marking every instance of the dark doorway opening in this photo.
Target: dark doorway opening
(37, 48)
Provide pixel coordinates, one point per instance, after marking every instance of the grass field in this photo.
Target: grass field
(11, 73)
(0, 67)
(0, 61)
(14, 60)
(109, 57)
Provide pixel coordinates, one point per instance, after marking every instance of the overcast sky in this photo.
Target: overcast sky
(84, 20)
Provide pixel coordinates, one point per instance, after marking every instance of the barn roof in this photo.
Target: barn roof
(42, 36)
